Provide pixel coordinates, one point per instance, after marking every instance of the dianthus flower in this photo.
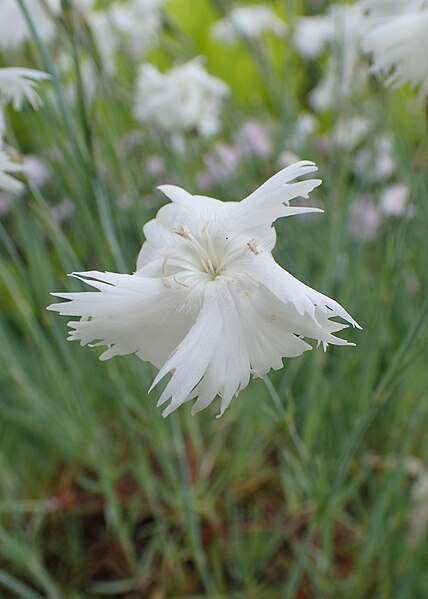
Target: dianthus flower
(7, 166)
(14, 29)
(17, 84)
(183, 99)
(132, 25)
(397, 39)
(340, 29)
(248, 21)
(208, 304)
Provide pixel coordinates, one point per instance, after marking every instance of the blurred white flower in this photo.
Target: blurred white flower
(348, 133)
(339, 25)
(398, 44)
(390, 8)
(133, 24)
(346, 74)
(247, 21)
(305, 126)
(343, 79)
(7, 166)
(183, 99)
(17, 85)
(376, 163)
(340, 30)
(393, 201)
(14, 29)
(208, 303)
(312, 35)
(36, 170)
(2, 124)
(138, 21)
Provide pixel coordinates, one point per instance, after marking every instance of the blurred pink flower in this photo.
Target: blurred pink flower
(364, 218)
(254, 138)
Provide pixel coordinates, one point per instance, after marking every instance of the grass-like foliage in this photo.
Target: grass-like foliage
(308, 486)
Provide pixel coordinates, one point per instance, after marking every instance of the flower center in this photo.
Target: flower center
(207, 255)
(203, 257)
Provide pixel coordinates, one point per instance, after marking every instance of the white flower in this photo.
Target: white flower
(14, 29)
(344, 76)
(183, 99)
(17, 85)
(312, 35)
(138, 21)
(37, 171)
(348, 133)
(305, 126)
(7, 166)
(343, 80)
(247, 21)
(376, 162)
(390, 8)
(208, 303)
(399, 47)
(393, 200)
(2, 124)
(340, 25)
(133, 24)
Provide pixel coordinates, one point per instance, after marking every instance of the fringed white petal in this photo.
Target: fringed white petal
(129, 314)
(288, 289)
(238, 332)
(270, 201)
(176, 194)
(278, 181)
(400, 44)
(212, 355)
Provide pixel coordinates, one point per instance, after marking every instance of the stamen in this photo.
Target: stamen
(183, 231)
(165, 281)
(204, 257)
(251, 245)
